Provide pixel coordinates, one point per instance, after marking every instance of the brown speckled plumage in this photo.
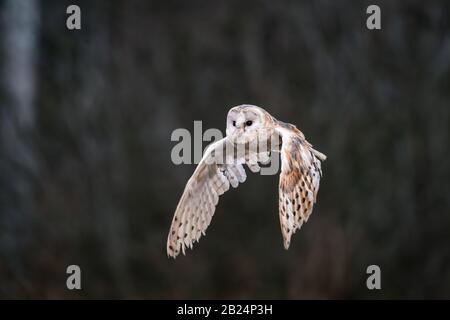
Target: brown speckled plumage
(299, 177)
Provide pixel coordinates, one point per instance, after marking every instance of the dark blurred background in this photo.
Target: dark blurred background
(86, 175)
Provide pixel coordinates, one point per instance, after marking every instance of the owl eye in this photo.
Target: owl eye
(234, 123)
(249, 123)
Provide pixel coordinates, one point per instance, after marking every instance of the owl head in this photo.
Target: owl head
(245, 122)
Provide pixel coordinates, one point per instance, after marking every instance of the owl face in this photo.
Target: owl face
(245, 123)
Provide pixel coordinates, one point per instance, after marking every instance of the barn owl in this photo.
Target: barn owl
(256, 133)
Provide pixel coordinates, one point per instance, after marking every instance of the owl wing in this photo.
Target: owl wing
(212, 177)
(299, 180)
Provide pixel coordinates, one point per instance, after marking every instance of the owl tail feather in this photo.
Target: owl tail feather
(319, 155)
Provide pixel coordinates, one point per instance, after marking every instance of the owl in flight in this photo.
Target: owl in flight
(252, 134)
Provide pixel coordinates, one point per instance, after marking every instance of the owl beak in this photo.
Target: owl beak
(235, 137)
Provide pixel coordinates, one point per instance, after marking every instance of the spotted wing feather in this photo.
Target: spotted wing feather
(299, 180)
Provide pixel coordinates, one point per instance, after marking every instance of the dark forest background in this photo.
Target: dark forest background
(86, 117)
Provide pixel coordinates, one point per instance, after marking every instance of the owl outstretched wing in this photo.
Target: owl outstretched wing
(299, 180)
(218, 169)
